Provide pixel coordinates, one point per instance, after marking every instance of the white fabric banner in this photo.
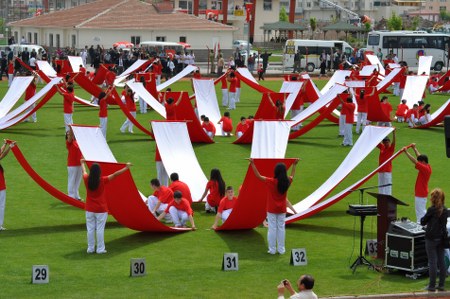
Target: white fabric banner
(367, 70)
(140, 90)
(393, 65)
(205, 95)
(246, 73)
(186, 71)
(270, 139)
(46, 68)
(321, 102)
(15, 91)
(367, 141)
(440, 110)
(334, 199)
(338, 77)
(293, 88)
(13, 117)
(93, 144)
(414, 89)
(75, 62)
(137, 64)
(388, 79)
(424, 65)
(178, 156)
(355, 83)
(373, 59)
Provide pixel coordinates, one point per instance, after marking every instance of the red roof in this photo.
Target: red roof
(120, 14)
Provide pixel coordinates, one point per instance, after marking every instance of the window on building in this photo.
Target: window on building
(136, 40)
(185, 4)
(50, 40)
(74, 40)
(202, 4)
(442, 8)
(29, 38)
(285, 4)
(267, 5)
(183, 39)
(58, 41)
(160, 38)
(216, 4)
(308, 4)
(35, 38)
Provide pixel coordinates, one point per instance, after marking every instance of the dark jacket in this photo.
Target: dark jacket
(436, 225)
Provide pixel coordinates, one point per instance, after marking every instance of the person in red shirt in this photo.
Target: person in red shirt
(128, 100)
(96, 205)
(224, 87)
(241, 127)
(180, 211)
(69, 98)
(3, 152)
(361, 100)
(74, 171)
(110, 77)
(387, 149)
(423, 177)
(103, 110)
(349, 107)
(225, 207)
(160, 199)
(170, 105)
(216, 189)
(209, 127)
(276, 204)
(82, 69)
(232, 91)
(387, 109)
(434, 85)
(402, 109)
(227, 124)
(157, 69)
(29, 93)
(178, 185)
(412, 116)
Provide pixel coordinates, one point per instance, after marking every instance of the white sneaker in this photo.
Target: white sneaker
(102, 252)
(2, 228)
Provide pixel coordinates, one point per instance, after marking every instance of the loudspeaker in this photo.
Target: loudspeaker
(447, 135)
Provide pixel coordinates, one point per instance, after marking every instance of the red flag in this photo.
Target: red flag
(248, 9)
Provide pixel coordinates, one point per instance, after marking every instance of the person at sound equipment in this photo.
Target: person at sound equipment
(305, 285)
(387, 149)
(423, 177)
(277, 201)
(436, 226)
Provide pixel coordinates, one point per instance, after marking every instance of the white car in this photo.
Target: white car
(241, 44)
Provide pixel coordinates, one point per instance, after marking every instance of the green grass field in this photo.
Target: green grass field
(43, 230)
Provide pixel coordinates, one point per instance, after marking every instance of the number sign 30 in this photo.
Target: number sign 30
(137, 267)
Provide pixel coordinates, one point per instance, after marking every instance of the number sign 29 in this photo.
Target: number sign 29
(138, 267)
(298, 257)
(230, 262)
(40, 274)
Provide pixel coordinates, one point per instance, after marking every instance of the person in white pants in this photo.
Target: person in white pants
(349, 108)
(277, 201)
(3, 152)
(387, 149)
(74, 171)
(225, 207)
(96, 207)
(180, 211)
(160, 199)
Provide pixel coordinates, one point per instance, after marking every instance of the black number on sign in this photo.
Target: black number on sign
(231, 262)
(372, 247)
(299, 256)
(139, 268)
(41, 274)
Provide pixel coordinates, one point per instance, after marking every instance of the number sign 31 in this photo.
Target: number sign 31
(230, 262)
(40, 274)
(298, 257)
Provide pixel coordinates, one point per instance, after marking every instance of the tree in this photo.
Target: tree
(445, 16)
(313, 25)
(283, 16)
(395, 22)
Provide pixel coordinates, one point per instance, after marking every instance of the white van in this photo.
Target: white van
(16, 48)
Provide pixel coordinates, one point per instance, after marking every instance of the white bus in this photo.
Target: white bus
(311, 51)
(157, 47)
(409, 45)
